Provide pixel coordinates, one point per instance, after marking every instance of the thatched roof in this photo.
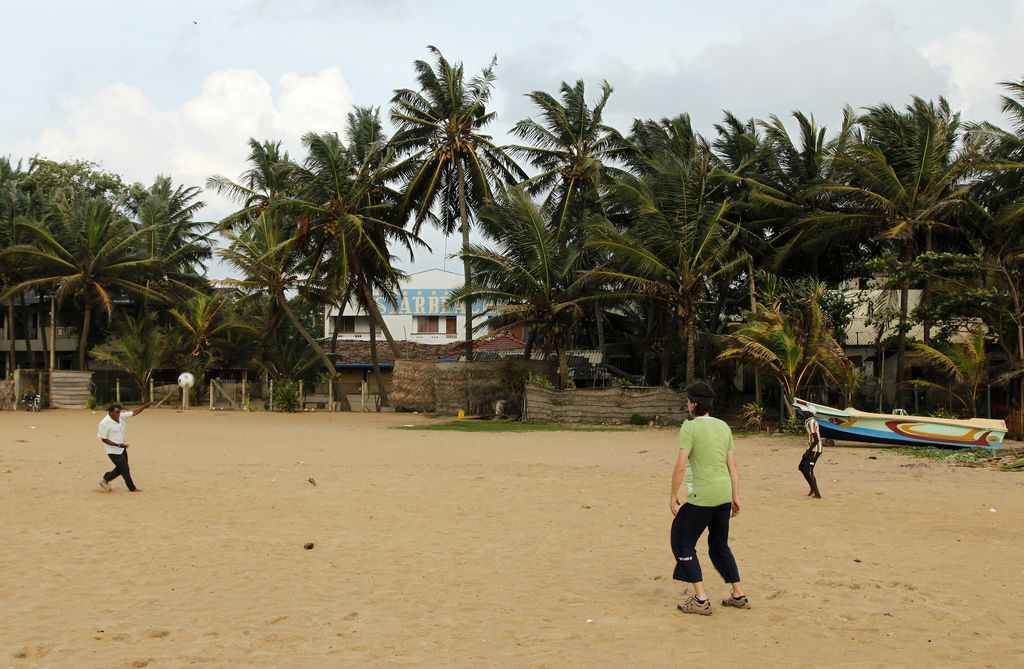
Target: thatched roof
(358, 352)
(1005, 378)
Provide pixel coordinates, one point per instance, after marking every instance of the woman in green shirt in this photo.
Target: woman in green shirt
(707, 444)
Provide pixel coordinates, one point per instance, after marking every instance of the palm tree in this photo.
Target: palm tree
(964, 363)
(206, 321)
(14, 207)
(460, 168)
(343, 206)
(88, 253)
(789, 188)
(267, 179)
(904, 176)
(137, 347)
(266, 255)
(793, 346)
(678, 240)
(531, 277)
(174, 239)
(570, 147)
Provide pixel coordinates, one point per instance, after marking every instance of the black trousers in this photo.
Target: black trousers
(120, 469)
(689, 524)
(806, 468)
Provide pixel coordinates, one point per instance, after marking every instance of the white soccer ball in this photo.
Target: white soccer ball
(186, 380)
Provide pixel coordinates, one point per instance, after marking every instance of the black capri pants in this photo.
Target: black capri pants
(689, 524)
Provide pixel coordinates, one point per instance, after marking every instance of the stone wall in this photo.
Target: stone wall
(604, 405)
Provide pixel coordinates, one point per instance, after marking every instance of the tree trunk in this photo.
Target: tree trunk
(83, 337)
(901, 337)
(382, 394)
(691, 346)
(28, 330)
(647, 341)
(337, 323)
(12, 351)
(599, 315)
(371, 305)
(283, 303)
(563, 367)
(467, 272)
(530, 341)
(927, 301)
(44, 336)
(666, 352)
(753, 310)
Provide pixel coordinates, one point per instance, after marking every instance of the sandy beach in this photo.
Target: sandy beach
(444, 549)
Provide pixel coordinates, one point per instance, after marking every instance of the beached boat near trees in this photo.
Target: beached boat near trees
(901, 430)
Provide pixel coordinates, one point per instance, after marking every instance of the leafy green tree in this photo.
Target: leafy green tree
(87, 253)
(788, 188)
(903, 178)
(137, 346)
(570, 147)
(177, 243)
(207, 321)
(345, 207)
(83, 177)
(460, 168)
(266, 254)
(15, 207)
(267, 180)
(964, 363)
(678, 238)
(794, 345)
(530, 277)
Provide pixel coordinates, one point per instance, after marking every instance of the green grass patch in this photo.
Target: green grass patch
(945, 454)
(509, 426)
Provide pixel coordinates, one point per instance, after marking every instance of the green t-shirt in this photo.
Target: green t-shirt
(709, 440)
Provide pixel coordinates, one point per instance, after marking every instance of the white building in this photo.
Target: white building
(422, 314)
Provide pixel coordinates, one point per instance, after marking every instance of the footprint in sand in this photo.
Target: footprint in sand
(138, 664)
(157, 634)
(352, 616)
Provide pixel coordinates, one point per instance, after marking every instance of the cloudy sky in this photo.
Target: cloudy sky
(178, 87)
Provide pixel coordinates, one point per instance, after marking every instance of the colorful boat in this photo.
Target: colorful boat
(901, 430)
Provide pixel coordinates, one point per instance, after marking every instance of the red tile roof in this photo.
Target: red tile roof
(499, 342)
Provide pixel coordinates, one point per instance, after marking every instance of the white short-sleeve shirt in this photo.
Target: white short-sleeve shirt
(114, 431)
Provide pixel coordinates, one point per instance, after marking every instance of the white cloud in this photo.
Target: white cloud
(206, 135)
(976, 61)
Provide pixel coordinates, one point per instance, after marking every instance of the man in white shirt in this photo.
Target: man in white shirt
(112, 435)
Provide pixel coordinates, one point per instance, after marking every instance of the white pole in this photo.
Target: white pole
(211, 394)
(117, 390)
(245, 398)
(151, 389)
